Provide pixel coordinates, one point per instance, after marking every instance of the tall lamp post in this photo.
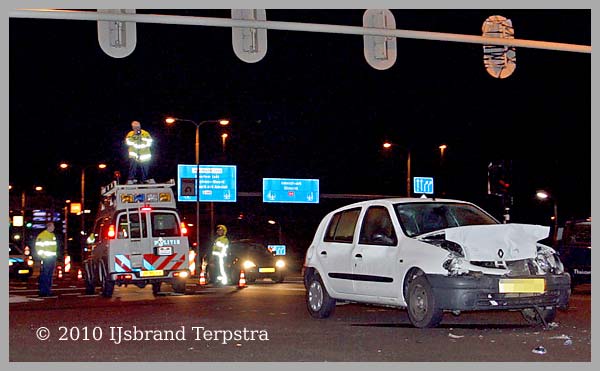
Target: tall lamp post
(387, 146)
(544, 195)
(64, 166)
(172, 120)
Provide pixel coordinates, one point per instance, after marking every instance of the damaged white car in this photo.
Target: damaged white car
(430, 256)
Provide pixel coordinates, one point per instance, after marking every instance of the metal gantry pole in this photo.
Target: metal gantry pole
(294, 26)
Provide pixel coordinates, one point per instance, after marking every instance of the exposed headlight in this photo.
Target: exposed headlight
(30, 262)
(547, 260)
(10, 263)
(248, 264)
(280, 264)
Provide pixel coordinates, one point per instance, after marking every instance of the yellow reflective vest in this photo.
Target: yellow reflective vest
(221, 244)
(46, 245)
(139, 145)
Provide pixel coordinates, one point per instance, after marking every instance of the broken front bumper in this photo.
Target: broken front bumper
(483, 293)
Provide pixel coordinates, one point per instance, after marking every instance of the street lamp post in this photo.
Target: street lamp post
(64, 166)
(544, 195)
(172, 120)
(387, 146)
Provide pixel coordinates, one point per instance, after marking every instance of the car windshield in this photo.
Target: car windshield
(251, 248)
(420, 218)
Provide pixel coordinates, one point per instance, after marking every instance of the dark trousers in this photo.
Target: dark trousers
(134, 165)
(45, 280)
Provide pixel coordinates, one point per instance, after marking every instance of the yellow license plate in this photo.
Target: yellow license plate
(522, 286)
(266, 270)
(152, 273)
(23, 271)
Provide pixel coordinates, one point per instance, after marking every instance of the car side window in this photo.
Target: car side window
(377, 228)
(342, 225)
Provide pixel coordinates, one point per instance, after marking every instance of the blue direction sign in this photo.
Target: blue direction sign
(291, 190)
(423, 185)
(277, 249)
(216, 183)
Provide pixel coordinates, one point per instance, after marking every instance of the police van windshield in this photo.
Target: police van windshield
(164, 224)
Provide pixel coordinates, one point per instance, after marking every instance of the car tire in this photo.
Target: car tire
(108, 285)
(533, 318)
(279, 278)
(422, 307)
(178, 286)
(318, 301)
(156, 288)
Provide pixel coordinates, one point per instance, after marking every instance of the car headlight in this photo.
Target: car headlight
(30, 262)
(248, 264)
(547, 260)
(280, 264)
(10, 263)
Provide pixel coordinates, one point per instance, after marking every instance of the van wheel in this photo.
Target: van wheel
(318, 301)
(108, 285)
(90, 286)
(178, 286)
(422, 308)
(533, 318)
(156, 288)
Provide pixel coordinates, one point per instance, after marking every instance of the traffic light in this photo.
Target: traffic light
(499, 177)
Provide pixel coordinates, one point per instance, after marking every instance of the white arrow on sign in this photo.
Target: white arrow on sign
(249, 44)
(117, 39)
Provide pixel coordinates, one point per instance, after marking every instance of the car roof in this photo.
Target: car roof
(400, 200)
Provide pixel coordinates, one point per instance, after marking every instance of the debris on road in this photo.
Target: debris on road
(539, 350)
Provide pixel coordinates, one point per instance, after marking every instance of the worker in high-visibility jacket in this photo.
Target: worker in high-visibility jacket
(139, 143)
(217, 257)
(46, 246)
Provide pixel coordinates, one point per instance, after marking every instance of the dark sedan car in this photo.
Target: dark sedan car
(19, 265)
(256, 260)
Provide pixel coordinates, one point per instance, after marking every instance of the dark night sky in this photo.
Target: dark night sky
(313, 107)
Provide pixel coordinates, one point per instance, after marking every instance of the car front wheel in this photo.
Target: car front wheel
(422, 307)
(532, 316)
(318, 301)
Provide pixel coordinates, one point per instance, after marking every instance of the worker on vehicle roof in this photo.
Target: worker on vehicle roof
(138, 143)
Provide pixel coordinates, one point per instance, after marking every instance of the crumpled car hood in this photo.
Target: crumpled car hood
(496, 242)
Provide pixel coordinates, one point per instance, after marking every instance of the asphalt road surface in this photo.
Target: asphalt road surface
(269, 322)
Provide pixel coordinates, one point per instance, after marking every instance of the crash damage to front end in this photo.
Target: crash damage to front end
(498, 266)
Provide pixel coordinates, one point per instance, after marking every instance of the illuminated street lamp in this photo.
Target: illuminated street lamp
(222, 122)
(64, 166)
(280, 234)
(387, 146)
(543, 196)
(224, 137)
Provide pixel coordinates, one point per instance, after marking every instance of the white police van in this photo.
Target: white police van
(138, 239)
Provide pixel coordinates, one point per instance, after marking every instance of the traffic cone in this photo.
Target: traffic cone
(242, 281)
(202, 278)
(59, 272)
(79, 274)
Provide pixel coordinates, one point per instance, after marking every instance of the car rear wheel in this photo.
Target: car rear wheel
(532, 316)
(318, 301)
(422, 307)
(279, 278)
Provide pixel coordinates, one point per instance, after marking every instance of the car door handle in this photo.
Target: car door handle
(358, 256)
(324, 253)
